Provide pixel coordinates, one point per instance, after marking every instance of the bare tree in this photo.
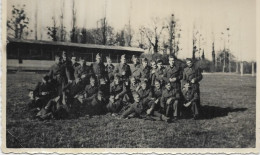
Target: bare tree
(128, 34)
(53, 30)
(62, 27)
(18, 23)
(73, 36)
(153, 35)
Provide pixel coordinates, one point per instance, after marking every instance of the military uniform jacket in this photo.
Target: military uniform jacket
(152, 76)
(110, 70)
(190, 95)
(159, 74)
(136, 71)
(173, 72)
(145, 72)
(44, 87)
(91, 91)
(66, 70)
(192, 73)
(123, 68)
(99, 70)
(55, 71)
(135, 87)
(173, 93)
(157, 93)
(145, 95)
(83, 70)
(119, 89)
(74, 67)
(75, 88)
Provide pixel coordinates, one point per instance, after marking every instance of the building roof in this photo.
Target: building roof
(94, 46)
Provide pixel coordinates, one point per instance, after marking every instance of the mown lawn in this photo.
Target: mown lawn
(229, 104)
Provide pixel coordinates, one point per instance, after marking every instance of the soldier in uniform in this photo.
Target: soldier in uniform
(110, 69)
(83, 72)
(192, 75)
(99, 70)
(173, 73)
(153, 71)
(145, 93)
(170, 100)
(155, 109)
(96, 105)
(135, 109)
(145, 70)
(159, 74)
(54, 75)
(135, 68)
(118, 88)
(40, 96)
(191, 99)
(123, 69)
(74, 66)
(91, 89)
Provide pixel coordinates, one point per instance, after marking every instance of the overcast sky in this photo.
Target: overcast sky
(210, 17)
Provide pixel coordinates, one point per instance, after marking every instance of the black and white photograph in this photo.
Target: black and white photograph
(143, 74)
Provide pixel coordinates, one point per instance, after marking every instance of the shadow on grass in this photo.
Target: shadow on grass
(209, 112)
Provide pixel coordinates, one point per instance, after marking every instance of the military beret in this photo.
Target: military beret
(189, 59)
(159, 61)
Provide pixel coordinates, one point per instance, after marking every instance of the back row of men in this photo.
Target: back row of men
(74, 88)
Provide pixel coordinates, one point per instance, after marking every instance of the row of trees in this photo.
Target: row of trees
(104, 34)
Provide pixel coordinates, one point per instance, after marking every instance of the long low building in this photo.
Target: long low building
(39, 55)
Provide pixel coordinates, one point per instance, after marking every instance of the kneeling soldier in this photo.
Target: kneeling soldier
(191, 99)
(170, 100)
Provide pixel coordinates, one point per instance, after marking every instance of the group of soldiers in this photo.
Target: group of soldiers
(147, 89)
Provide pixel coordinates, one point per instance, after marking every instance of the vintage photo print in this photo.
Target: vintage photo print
(132, 76)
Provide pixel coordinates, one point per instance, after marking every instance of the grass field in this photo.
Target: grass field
(229, 104)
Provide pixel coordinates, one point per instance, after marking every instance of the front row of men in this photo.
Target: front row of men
(72, 90)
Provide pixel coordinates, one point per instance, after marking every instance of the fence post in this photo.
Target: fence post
(241, 68)
(253, 69)
(236, 67)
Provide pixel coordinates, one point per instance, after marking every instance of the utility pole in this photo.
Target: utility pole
(213, 57)
(229, 55)
(36, 20)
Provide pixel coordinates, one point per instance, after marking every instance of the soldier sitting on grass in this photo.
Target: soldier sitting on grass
(170, 101)
(134, 87)
(41, 95)
(155, 110)
(91, 89)
(191, 100)
(135, 109)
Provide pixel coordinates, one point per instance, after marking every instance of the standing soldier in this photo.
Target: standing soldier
(74, 66)
(99, 70)
(153, 71)
(192, 75)
(170, 100)
(66, 73)
(55, 75)
(160, 72)
(173, 73)
(110, 69)
(135, 68)
(145, 70)
(123, 69)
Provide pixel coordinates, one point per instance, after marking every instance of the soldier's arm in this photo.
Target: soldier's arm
(199, 75)
(180, 76)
